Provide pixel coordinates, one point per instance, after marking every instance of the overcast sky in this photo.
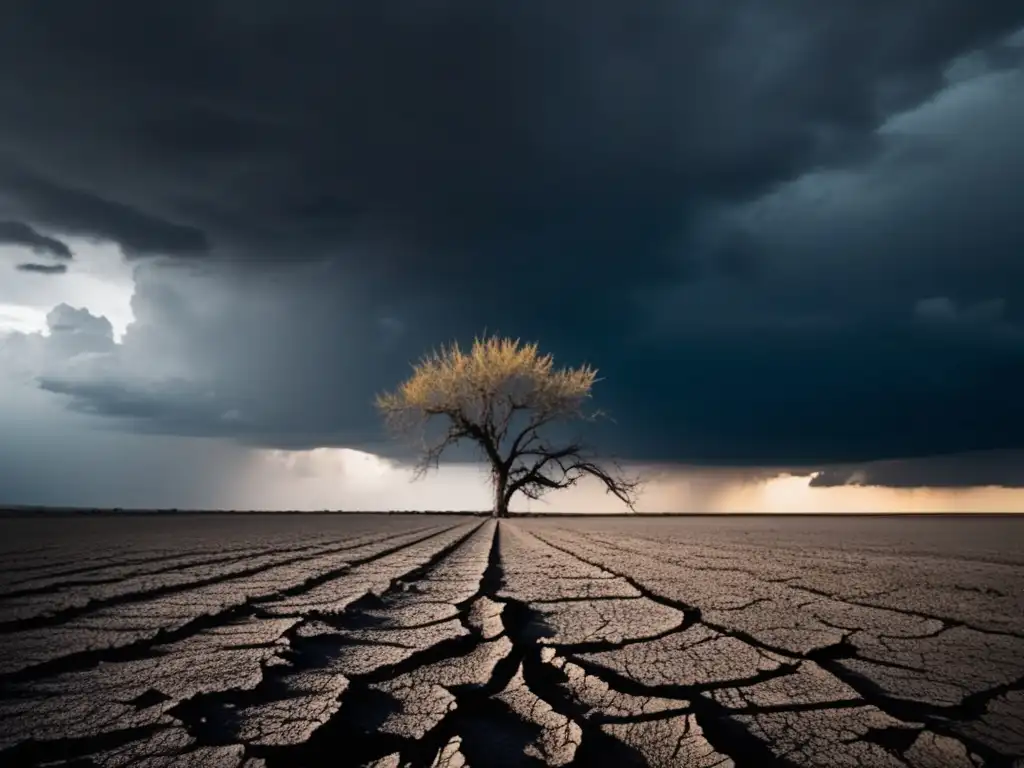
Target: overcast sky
(789, 234)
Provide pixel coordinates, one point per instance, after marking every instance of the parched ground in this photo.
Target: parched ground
(450, 641)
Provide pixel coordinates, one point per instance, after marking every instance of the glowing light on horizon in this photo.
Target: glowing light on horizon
(347, 462)
(347, 478)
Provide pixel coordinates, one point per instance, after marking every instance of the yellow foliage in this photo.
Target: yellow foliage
(480, 392)
(494, 373)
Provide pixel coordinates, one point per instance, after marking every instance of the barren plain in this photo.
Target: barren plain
(394, 640)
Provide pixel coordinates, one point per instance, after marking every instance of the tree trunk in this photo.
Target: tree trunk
(500, 495)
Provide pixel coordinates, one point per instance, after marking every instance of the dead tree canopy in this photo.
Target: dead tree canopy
(503, 396)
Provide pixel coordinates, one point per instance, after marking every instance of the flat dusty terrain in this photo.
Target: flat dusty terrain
(377, 640)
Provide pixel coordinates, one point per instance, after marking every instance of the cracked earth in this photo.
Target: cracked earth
(452, 641)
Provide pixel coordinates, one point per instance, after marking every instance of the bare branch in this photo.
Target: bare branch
(572, 466)
(431, 452)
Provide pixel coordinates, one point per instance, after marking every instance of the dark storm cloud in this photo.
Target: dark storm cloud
(576, 173)
(20, 233)
(452, 123)
(43, 269)
(813, 395)
(266, 358)
(78, 212)
(176, 412)
(986, 468)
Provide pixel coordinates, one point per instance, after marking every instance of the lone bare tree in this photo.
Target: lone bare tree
(503, 395)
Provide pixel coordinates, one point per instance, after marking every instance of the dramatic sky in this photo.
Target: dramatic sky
(790, 234)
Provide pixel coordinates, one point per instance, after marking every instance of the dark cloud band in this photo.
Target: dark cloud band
(19, 233)
(43, 269)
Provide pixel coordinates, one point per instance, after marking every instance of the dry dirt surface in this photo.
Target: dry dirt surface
(451, 641)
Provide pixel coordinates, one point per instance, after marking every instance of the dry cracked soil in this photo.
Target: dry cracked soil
(364, 640)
